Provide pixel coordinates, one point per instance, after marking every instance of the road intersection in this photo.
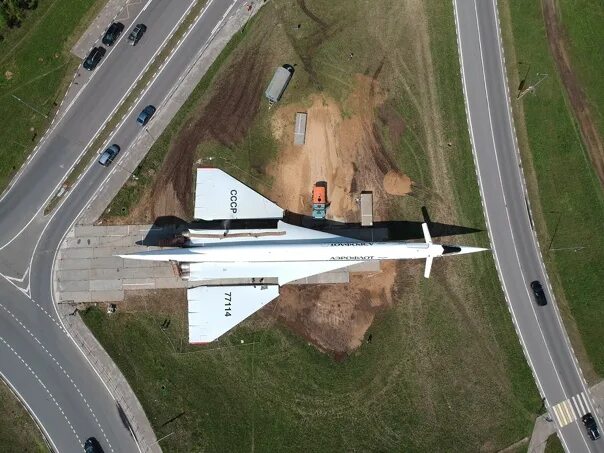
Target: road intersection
(37, 356)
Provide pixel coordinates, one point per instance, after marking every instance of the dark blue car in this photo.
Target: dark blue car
(145, 115)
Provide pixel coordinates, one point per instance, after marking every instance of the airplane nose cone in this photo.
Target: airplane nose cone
(465, 250)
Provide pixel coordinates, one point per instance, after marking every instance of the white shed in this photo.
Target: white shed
(300, 129)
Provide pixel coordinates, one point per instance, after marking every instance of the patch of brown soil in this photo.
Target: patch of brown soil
(343, 150)
(346, 152)
(392, 121)
(336, 317)
(396, 183)
(558, 45)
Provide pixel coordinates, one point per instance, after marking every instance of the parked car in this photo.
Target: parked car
(145, 115)
(112, 33)
(92, 446)
(538, 293)
(137, 33)
(108, 155)
(94, 57)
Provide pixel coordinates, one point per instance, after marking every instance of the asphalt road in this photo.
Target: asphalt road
(517, 255)
(37, 358)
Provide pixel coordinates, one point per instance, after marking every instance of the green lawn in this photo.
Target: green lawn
(36, 67)
(444, 366)
(566, 197)
(553, 445)
(18, 432)
(583, 24)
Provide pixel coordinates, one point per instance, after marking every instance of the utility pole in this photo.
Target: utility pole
(532, 87)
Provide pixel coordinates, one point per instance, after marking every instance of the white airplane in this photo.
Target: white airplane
(281, 255)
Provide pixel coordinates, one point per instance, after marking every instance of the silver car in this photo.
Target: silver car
(108, 155)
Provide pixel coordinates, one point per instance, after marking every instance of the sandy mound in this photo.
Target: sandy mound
(396, 183)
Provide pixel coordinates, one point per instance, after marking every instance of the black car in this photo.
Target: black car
(145, 115)
(108, 155)
(112, 33)
(92, 446)
(137, 33)
(94, 57)
(538, 293)
(591, 426)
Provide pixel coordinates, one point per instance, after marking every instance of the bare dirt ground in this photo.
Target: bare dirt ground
(558, 43)
(344, 151)
(335, 318)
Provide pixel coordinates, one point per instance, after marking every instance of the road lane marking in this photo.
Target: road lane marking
(534, 234)
(568, 407)
(582, 408)
(60, 367)
(52, 127)
(571, 409)
(45, 389)
(503, 194)
(559, 416)
(482, 190)
(578, 404)
(586, 401)
(97, 133)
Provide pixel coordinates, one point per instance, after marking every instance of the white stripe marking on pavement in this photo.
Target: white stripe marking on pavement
(576, 406)
(586, 401)
(568, 407)
(559, 415)
(584, 408)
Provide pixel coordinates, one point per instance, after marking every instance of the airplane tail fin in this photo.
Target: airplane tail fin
(428, 239)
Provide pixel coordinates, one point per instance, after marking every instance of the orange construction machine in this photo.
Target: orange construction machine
(319, 200)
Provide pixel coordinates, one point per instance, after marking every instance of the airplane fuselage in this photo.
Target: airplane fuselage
(281, 251)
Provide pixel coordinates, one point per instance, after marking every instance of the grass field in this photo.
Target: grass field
(583, 24)
(444, 366)
(36, 66)
(566, 197)
(553, 445)
(18, 432)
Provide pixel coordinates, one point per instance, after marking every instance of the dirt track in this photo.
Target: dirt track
(558, 45)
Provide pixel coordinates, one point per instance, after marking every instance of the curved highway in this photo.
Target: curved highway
(517, 255)
(37, 357)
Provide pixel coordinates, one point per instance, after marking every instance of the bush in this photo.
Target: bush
(13, 11)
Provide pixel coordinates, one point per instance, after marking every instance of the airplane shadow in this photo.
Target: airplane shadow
(165, 229)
